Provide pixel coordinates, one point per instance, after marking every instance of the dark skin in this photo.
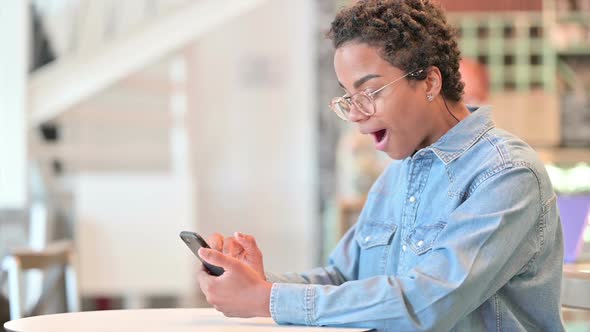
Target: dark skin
(403, 109)
(242, 290)
(412, 122)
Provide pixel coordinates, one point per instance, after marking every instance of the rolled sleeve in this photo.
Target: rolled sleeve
(292, 303)
(487, 241)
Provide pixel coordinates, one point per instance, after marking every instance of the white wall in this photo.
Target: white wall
(254, 123)
(253, 147)
(127, 234)
(14, 29)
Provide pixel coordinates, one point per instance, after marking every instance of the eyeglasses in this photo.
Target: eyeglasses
(364, 101)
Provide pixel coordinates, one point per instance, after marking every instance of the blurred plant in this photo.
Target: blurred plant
(569, 180)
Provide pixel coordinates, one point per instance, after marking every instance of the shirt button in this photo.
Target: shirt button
(368, 238)
(420, 243)
(404, 248)
(412, 199)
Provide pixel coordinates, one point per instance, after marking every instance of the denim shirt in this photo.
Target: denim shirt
(462, 236)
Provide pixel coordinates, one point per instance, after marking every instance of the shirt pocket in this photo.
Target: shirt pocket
(422, 237)
(373, 233)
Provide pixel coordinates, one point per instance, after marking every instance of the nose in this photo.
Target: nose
(355, 115)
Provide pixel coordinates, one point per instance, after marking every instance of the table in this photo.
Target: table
(575, 286)
(148, 320)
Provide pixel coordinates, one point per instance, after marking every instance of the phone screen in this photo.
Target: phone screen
(194, 241)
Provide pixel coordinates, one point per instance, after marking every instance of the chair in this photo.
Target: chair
(59, 254)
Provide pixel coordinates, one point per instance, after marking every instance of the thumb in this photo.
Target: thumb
(217, 258)
(247, 241)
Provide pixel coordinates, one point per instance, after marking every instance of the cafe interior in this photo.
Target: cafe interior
(123, 123)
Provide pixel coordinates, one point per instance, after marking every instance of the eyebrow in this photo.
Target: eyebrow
(361, 81)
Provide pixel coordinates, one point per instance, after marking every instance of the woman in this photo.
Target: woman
(460, 232)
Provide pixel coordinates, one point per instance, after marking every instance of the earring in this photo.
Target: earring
(430, 97)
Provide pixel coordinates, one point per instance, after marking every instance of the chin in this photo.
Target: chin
(398, 155)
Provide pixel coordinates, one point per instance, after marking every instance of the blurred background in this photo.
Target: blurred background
(123, 123)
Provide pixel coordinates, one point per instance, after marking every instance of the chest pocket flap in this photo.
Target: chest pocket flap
(371, 234)
(421, 238)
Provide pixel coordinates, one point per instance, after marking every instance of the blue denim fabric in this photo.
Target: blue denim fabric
(463, 236)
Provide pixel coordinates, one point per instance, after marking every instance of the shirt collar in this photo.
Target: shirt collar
(463, 135)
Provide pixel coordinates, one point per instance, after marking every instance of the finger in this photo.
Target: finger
(227, 242)
(204, 280)
(216, 241)
(200, 268)
(231, 247)
(204, 274)
(203, 270)
(218, 258)
(247, 241)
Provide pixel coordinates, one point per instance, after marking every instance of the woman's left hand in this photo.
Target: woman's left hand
(239, 292)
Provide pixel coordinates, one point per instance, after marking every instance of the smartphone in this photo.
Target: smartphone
(194, 241)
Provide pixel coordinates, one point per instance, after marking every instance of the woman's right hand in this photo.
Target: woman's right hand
(241, 247)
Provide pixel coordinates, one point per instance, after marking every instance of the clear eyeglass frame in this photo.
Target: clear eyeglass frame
(364, 101)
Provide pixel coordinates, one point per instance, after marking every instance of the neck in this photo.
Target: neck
(458, 110)
(446, 117)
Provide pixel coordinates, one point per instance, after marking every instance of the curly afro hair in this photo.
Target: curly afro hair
(410, 34)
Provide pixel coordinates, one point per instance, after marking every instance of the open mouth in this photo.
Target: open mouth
(381, 139)
(380, 135)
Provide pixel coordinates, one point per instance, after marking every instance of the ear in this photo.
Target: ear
(433, 81)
